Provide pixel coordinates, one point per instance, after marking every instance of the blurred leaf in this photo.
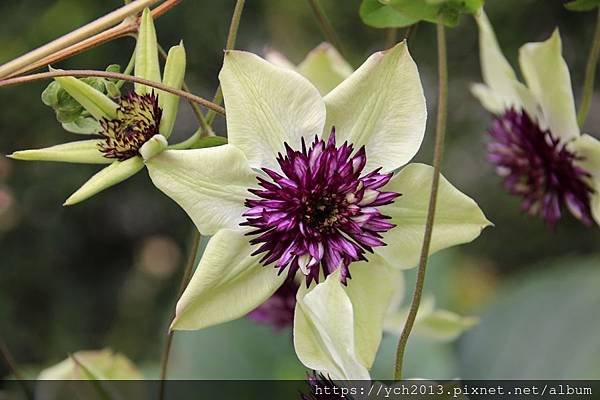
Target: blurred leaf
(210, 141)
(541, 327)
(378, 15)
(444, 325)
(400, 13)
(582, 5)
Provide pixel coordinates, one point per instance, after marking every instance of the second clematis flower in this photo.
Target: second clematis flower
(134, 128)
(307, 186)
(535, 142)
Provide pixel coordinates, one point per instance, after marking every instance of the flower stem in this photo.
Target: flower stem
(437, 160)
(112, 75)
(14, 370)
(325, 24)
(74, 37)
(187, 275)
(590, 73)
(229, 45)
(128, 27)
(391, 37)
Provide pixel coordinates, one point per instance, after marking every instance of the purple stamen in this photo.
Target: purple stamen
(538, 167)
(278, 310)
(318, 213)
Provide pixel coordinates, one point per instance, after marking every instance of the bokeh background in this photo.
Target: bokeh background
(105, 273)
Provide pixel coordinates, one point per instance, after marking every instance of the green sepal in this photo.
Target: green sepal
(115, 173)
(173, 77)
(83, 151)
(582, 5)
(146, 54)
(91, 99)
(82, 125)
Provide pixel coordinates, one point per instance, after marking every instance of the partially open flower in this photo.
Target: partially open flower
(319, 205)
(535, 143)
(137, 121)
(132, 129)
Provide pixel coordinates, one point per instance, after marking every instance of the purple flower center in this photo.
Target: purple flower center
(538, 167)
(138, 119)
(319, 213)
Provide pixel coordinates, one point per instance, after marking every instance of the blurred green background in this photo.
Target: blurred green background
(105, 273)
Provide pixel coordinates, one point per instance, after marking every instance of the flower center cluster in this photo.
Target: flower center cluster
(539, 167)
(320, 213)
(138, 119)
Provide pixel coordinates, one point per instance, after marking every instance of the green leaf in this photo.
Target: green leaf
(378, 15)
(400, 13)
(582, 5)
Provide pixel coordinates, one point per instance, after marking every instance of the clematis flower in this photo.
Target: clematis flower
(325, 68)
(535, 142)
(134, 128)
(289, 197)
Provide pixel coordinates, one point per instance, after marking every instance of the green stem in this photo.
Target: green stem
(128, 69)
(325, 24)
(112, 75)
(391, 37)
(410, 31)
(229, 45)
(14, 370)
(590, 73)
(437, 160)
(185, 279)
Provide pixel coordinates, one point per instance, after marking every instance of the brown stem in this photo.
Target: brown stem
(112, 75)
(74, 37)
(325, 24)
(229, 45)
(128, 27)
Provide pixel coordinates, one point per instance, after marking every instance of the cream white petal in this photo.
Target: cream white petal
(588, 148)
(458, 218)
(277, 58)
(210, 184)
(370, 290)
(324, 333)
(227, 284)
(547, 76)
(497, 73)
(381, 106)
(267, 106)
(325, 67)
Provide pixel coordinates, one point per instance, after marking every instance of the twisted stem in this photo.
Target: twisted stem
(590, 74)
(112, 75)
(437, 160)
